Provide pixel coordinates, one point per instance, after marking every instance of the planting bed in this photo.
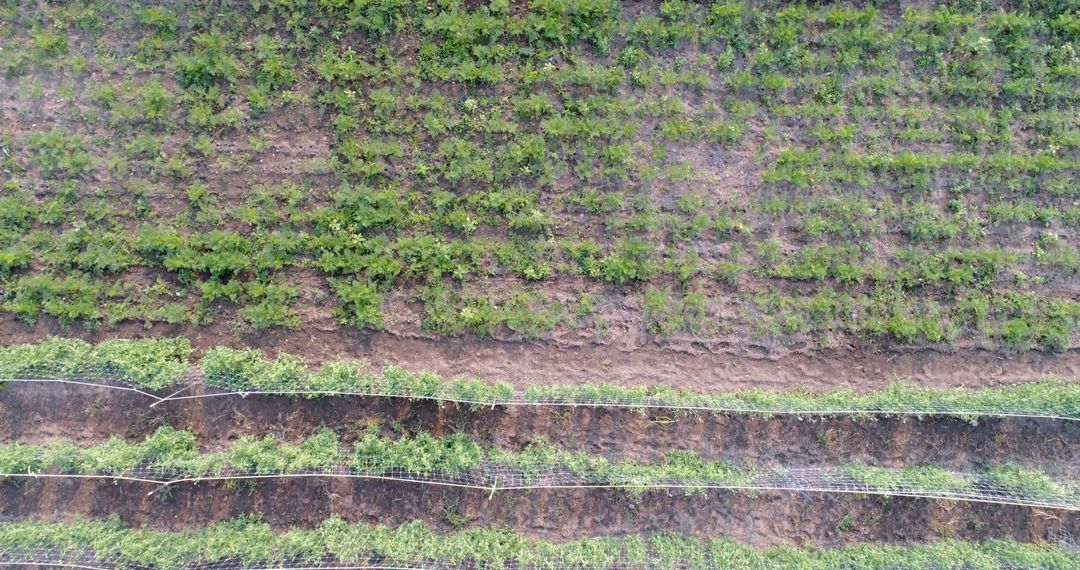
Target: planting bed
(761, 519)
(39, 412)
(539, 284)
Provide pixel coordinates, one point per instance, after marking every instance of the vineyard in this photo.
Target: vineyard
(532, 284)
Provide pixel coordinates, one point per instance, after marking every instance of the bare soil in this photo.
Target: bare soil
(761, 519)
(695, 366)
(38, 412)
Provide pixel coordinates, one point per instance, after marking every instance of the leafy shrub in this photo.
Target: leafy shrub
(565, 21)
(374, 16)
(209, 63)
(1035, 484)
(361, 303)
(632, 260)
(47, 44)
(252, 541)
(59, 153)
(69, 299)
(247, 369)
(271, 307)
(150, 363)
(666, 314)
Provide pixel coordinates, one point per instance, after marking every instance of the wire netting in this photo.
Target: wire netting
(88, 560)
(1065, 540)
(886, 402)
(494, 478)
(650, 559)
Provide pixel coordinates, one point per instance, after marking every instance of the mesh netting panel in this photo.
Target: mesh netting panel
(88, 560)
(495, 477)
(884, 403)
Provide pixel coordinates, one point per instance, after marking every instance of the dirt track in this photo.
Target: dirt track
(695, 366)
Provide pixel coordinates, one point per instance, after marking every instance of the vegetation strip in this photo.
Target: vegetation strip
(248, 542)
(169, 456)
(155, 364)
(904, 176)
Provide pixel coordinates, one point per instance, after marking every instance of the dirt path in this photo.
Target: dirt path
(694, 367)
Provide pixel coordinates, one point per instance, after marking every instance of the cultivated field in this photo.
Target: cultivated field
(539, 284)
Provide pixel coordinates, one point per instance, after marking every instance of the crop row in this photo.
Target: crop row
(463, 44)
(169, 455)
(250, 542)
(154, 364)
(991, 296)
(444, 186)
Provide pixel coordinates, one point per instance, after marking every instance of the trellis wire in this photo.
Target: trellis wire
(493, 477)
(89, 560)
(1065, 540)
(91, 382)
(519, 399)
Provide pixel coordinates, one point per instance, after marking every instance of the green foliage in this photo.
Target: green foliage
(566, 21)
(420, 454)
(58, 153)
(632, 260)
(47, 44)
(271, 305)
(453, 312)
(155, 363)
(667, 314)
(152, 363)
(1030, 482)
(175, 452)
(510, 143)
(247, 369)
(69, 299)
(251, 541)
(362, 303)
(927, 478)
(209, 63)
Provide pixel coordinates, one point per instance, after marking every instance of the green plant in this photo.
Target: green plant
(631, 260)
(251, 541)
(59, 153)
(148, 363)
(208, 63)
(362, 303)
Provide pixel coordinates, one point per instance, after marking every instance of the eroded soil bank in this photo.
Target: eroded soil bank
(39, 412)
(761, 519)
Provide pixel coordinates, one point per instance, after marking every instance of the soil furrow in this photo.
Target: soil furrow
(761, 519)
(39, 412)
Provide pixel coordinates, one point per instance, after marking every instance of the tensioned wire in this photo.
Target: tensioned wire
(88, 560)
(518, 399)
(495, 478)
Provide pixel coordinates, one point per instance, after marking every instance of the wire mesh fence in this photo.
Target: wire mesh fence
(89, 560)
(493, 477)
(1039, 400)
(650, 559)
(1065, 540)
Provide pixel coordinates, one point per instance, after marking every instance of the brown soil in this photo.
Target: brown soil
(762, 519)
(37, 412)
(696, 366)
